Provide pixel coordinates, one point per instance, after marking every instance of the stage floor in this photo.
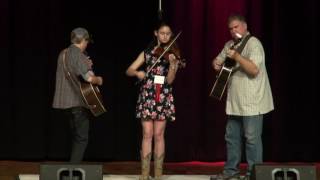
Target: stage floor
(127, 177)
(11, 170)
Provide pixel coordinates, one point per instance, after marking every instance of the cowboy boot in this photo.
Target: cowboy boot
(158, 164)
(145, 167)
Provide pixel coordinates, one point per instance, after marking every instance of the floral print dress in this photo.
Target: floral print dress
(155, 101)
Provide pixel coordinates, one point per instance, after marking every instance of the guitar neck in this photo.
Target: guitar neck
(229, 63)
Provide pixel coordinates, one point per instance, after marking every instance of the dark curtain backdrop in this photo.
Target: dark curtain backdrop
(33, 32)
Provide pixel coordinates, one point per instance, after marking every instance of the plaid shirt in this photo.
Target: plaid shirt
(67, 95)
(249, 96)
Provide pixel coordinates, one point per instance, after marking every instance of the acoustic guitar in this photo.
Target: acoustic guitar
(224, 75)
(93, 98)
(90, 93)
(221, 82)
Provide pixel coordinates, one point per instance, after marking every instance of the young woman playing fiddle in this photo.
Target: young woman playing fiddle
(155, 105)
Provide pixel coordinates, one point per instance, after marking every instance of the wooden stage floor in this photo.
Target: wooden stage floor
(10, 170)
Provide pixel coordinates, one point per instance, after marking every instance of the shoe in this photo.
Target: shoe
(225, 177)
(247, 177)
(235, 177)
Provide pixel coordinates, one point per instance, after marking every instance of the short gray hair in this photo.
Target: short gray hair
(79, 34)
(238, 17)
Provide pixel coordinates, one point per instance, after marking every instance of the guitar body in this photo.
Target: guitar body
(93, 98)
(224, 75)
(221, 82)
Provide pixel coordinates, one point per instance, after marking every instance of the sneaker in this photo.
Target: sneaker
(247, 177)
(234, 177)
(225, 177)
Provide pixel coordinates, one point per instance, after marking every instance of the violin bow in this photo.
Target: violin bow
(164, 51)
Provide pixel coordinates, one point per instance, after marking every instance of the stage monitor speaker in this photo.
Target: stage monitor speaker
(28, 177)
(284, 172)
(71, 172)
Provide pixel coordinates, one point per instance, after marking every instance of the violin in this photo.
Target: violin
(173, 50)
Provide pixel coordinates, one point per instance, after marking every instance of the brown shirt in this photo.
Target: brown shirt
(67, 94)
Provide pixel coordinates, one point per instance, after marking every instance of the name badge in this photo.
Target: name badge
(158, 79)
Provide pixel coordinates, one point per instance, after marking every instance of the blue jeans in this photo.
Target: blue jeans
(249, 128)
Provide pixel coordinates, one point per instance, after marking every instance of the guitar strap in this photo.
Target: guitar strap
(67, 72)
(72, 79)
(240, 48)
(243, 43)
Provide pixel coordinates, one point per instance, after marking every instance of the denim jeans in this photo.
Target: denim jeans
(79, 124)
(241, 130)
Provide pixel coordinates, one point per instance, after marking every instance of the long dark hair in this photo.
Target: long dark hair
(154, 41)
